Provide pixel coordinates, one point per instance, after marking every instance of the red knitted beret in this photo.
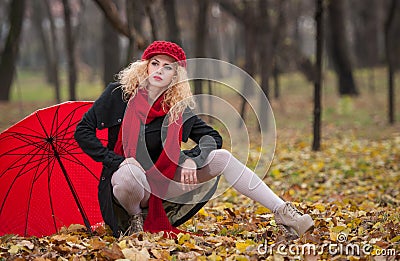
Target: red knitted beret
(167, 48)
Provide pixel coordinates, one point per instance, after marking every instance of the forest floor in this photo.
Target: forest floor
(350, 188)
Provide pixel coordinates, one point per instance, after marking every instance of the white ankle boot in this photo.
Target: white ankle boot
(293, 220)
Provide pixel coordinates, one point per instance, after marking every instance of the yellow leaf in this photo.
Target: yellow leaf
(320, 207)
(241, 258)
(121, 244)
(182, 238)
(242, 246)
(276, 173)
(220, 218)
(203, 213)
(338, 229)
(262, 210)
(14, 249)
(228, 205)
(377, 225)
(395, 239)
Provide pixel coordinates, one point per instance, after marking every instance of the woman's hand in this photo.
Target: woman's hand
(132, 161)
(188, 173)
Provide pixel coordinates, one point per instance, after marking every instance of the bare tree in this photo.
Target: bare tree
(201, 38)
(135, 14)
(246, 14)
(319, 12)
(152, 19)
(8, 56)
(339, 48)
(111, 52)
(111, 12)
(53, 51)
(70, 49)
(37, 18)
(173, 32)
(390, 59)
(265, 47)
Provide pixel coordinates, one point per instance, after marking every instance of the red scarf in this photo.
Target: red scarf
(139, 111)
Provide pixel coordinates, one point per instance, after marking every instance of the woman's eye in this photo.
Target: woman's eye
(154, 63)
(168, 67)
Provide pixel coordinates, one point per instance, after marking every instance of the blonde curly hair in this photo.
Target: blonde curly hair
(177, 97)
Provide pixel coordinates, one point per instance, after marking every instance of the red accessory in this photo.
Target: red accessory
(137, 111)
(167, 48)
(46, 180)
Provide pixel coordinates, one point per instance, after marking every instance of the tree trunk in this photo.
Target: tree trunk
(201, 37)
(111, 52)
(250, 47)
(9, 54)
(70, 48)
(135, 13)
(339, 48)
(390, 60)
(54, 52)
(37, 18)
(318, 75)
(277, 42)
(152, 19)
(265, 50)
(265, 58)
(173, 32)
(275, 72)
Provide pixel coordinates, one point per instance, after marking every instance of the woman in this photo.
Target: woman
(148, 114)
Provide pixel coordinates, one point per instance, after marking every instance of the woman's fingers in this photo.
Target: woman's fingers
(188, 177)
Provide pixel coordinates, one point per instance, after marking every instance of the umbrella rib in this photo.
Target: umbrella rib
(69, 118)
(34, 179)
(73, 191)
(78, 162)
(19, 174)
(13, 165)
(53, 214)
(61, 133)
(42, 125)
(27, 144)
(38, 134)
(29, 169)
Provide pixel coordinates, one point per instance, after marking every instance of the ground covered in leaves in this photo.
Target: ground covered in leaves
(350, 188)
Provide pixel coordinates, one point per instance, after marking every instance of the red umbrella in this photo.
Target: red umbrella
(46, 180)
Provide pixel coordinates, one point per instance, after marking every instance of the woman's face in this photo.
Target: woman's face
(161, 70)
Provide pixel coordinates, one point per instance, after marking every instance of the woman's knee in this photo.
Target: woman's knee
(217, 161)
(128, 174)
(221, 155)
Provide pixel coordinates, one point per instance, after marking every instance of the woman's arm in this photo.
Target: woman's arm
(207, 139)
(85, 135)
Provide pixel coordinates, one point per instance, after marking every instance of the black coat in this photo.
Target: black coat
(108, 112)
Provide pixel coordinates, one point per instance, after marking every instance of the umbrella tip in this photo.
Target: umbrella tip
(50, 139)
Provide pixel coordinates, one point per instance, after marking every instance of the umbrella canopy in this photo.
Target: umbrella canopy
(46, 180)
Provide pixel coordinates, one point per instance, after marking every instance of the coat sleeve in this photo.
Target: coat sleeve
(207, 139)
(85, 135)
